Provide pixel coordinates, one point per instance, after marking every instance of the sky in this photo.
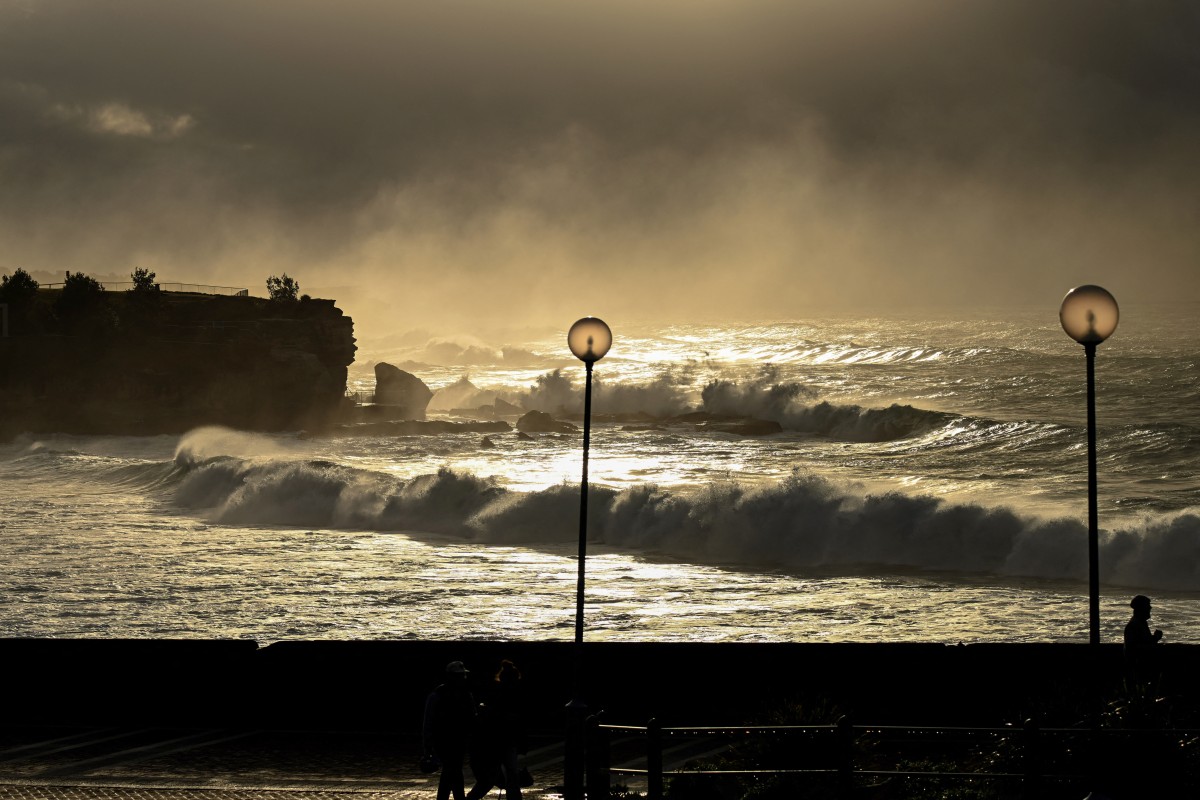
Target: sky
(467, 162)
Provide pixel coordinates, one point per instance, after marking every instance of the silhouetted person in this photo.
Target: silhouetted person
(1139, 641)
(446, 730)
(500, 738)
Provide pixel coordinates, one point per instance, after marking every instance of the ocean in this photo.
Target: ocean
(927, 483)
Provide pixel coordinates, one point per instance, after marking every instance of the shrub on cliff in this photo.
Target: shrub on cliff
(80, 291)
(80, 309)
(143, 280)
(18, 288)
(282, 289)
(144, 305)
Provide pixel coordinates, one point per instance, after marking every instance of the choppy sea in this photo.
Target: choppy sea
(927, 483)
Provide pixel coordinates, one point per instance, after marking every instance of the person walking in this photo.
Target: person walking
(447, 728)
(495, 755)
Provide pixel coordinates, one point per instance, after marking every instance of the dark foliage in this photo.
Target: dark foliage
(283, 289)
(80, 308)
(143, 280)
(1135, 742)
(19, 288)
(79, 291)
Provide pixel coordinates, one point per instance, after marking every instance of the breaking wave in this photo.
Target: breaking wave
(794, 406)
(798, 523)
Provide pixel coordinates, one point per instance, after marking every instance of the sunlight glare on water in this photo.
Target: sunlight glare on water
(925, 483)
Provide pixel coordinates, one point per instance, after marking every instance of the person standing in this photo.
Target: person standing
(495, 756)
(447, 727)
(1139, 642)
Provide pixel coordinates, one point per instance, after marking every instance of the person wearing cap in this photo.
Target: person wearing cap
(446, 729)
(1139, 641)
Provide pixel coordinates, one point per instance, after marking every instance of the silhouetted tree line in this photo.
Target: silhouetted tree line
(83, 307)
(75, 309)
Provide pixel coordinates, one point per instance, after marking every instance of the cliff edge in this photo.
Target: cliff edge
(136, 364)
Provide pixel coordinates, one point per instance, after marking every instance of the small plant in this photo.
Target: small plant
(283, 289)
(18, 288)
(143, 280)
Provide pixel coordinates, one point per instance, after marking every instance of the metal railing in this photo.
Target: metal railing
(194, 288)
(837, 752)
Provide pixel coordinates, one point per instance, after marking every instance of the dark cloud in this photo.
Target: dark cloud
(742, 158)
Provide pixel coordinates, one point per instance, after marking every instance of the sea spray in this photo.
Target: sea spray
(793, 405)
(928, 479)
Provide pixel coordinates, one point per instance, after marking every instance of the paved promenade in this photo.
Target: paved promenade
(161, 763)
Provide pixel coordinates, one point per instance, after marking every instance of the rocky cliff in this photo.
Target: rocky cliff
(167, 362)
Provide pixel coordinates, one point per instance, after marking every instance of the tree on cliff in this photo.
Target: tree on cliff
(282, 290)
(79, 291)
(144, 305)
(143, 280)
(18, 288)
(79, 308)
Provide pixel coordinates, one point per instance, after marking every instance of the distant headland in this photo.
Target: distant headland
(81, 357)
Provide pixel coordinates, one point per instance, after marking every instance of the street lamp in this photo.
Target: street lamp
(1089, 316)
(589, 339)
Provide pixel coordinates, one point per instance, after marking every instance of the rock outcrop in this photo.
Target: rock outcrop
(413, 427)
(744, 427)
(405, 394)
(541, 422)
(169, 362)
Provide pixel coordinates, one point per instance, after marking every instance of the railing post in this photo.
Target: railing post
(599, 783)
(573, 751)
(654, 761)
(845, 734)
(1031, 785)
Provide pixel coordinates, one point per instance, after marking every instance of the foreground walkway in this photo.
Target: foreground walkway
(162, 764)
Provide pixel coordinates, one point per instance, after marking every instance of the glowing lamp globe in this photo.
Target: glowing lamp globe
(589, 339)
(1089, 314)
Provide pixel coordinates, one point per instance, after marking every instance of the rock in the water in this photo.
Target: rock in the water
(745, 427)
(405, 391)
(541, 422)
(505, 408)
(414, 427)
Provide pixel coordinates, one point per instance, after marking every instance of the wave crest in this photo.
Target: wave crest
(798, 523)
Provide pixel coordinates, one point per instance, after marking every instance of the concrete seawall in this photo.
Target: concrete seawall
(381, 686)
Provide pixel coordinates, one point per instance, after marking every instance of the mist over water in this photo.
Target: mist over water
(463, 177)
(926, 474)
(688, 161)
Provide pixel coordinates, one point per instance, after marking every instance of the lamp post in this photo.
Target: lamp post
(589, 340)
(1089, 316)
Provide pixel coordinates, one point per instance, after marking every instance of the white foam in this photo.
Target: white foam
(798, 523)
